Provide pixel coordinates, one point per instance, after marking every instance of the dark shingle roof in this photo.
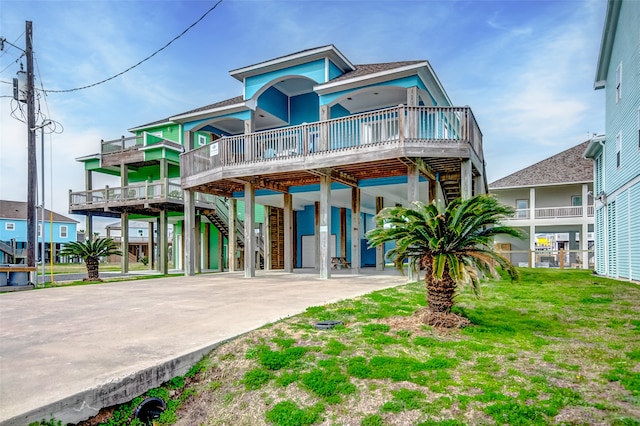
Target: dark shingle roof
(226, 102)
(18, 210)
(366, 69)
(566, 167)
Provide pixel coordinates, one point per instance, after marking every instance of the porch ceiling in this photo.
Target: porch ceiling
(347, 174)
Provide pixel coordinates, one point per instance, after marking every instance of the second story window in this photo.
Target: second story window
(522, 209)
(618, 149)
(63, 231)
(619, 83)
(202, 140)
(576, 200)
(10, 226)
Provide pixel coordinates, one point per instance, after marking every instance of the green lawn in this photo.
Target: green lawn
(559, 347)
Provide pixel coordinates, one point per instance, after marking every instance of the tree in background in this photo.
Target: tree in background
(91, 252)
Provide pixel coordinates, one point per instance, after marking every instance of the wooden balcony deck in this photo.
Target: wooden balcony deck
(146, 198)
(130, 150)
(369, 145)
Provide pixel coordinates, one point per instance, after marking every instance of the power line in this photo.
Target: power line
(142, 61)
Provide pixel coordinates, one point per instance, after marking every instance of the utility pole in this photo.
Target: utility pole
(32, 183)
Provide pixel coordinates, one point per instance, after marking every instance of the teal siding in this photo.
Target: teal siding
(612, 237)
(304, 109)
(634, 231)
(275, 102)
(312, 70)
(600, 242)
(334, 71)
(622, 213)
(622, 116)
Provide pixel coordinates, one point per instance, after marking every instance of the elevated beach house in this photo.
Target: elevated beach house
(297, 165)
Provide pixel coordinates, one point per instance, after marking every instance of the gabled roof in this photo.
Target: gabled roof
(226, 102)
(366, 69)
(606, 46)
(18, 210)
(569, 166)
(328, 51)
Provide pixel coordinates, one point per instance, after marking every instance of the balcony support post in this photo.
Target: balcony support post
(380, 248)
(316, 224)
(232, 239)
(355, 231)
(325, 227)
(189, 234)
(532, 228)
(343, 232)
(466, 180)
(288, 233)
(412, 195)
(267, 238)
(325, 114)
(197, 235)
(220, 251)
(124, 231)
(88, 184)
(249, 233)
(151, 256)
(412, 119)
(163, 243)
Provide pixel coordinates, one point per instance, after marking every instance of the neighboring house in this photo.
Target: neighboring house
(616, 155)
(554, 207)
(58, 230)
(300, 162)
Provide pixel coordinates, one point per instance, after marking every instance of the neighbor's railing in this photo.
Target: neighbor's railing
(441, 125)
(133, 143)
(155, 191)
(553, 212)
(549, 258)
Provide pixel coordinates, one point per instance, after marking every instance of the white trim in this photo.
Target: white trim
(328, 86)
(539, 185)
(162, 144)
(228, 109)
(291, 58)
(164, 123)
(66, 231)
(89, 157)
(619, 150)
(618, 86)
(9, 226)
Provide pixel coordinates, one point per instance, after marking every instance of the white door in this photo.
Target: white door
(309, 250)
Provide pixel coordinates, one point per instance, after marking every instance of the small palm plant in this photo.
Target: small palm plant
(91, 252)
(452, 245)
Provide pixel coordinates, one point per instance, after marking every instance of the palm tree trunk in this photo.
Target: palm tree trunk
(92, 268)
(440, 293)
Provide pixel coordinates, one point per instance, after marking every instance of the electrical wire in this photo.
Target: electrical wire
(142, 61)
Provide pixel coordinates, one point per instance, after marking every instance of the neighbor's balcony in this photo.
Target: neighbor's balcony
(410, 131)
(552, 213)
(131, 149)
(140, 198)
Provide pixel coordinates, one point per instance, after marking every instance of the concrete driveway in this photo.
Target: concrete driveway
(67, 352)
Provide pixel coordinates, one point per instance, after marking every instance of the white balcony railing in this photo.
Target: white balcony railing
(440, 125)
(552, 213)
(156, 191)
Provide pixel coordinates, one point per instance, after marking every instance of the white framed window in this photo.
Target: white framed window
(618, 149)
(576, 200)
(202, 140)
(9, 226)
(63, 231)
(619, 82)
(522, 209)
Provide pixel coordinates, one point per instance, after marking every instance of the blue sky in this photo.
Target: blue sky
(526, 68)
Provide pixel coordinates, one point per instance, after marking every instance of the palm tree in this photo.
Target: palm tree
(453, 245)
(91, 252)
